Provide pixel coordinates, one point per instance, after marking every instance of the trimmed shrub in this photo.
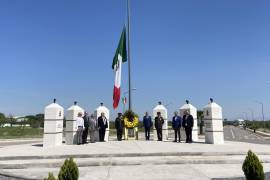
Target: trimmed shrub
(252, 167)
(69, 170)
(50, 177)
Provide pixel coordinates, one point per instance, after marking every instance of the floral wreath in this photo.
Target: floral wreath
(131, 119)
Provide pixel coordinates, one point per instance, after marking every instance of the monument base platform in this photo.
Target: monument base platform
(131, 133)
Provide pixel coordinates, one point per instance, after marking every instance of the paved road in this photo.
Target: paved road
(10, 142)
(232, 133)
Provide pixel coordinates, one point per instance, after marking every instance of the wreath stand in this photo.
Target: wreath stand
(131, 133)
(131, 122)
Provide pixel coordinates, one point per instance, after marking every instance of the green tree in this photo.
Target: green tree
(11, 120)
(2, 119)
(40, 118)
(252, 167)
(69, 170)
(200, 115)
(200, 120)
(35, 121)
(50, 177)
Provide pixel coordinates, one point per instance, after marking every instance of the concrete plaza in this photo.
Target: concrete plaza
(133, 160)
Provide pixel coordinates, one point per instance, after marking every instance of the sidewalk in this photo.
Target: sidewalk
(265, 135)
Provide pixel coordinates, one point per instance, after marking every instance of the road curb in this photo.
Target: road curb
(110, 162)
(10, 176)
(261, 134)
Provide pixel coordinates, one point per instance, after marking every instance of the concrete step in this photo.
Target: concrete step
(139, 154)
(127, 161)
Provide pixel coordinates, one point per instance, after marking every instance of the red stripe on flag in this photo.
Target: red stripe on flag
(116, 97)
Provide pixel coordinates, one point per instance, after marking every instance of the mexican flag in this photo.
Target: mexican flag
(119, 57)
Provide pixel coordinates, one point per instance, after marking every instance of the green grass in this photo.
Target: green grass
(20, 132)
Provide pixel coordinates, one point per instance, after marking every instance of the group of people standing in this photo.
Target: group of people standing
(89, 125)
(186, 122)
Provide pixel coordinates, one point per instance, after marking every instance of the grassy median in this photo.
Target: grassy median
(20, 132)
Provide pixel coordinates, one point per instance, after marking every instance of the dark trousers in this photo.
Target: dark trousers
(177, 133)
(119, 134)
(188, 134)
(159, 134)
(147, 133)
(102, 134)
(84, 135)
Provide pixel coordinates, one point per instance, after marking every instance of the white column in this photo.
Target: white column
(106, 111)
(160, 108)
(71, 128)
(193, 111)
(53, 125)
(213, 123)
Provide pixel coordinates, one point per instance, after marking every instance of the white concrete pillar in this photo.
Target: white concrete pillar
(193, 111)
(160, 108)
(213, 123)
(106, 111)
(53, 125)
(71, 127)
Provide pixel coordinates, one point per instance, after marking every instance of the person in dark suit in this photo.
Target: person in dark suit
(86, 126)
(102, 126)
(176, 124)
(159, 121)
(119, 126)
(187, 123)
(147, 123)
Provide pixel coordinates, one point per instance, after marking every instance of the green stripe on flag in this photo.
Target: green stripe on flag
(121, 49)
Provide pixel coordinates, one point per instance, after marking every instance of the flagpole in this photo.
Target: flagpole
(129, 59)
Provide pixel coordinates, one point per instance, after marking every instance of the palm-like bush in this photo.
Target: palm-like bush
(69, 170)
(252, 167)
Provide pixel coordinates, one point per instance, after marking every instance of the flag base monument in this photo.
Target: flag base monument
(53, 125)
(54, 115)
(71, 125)
(213, 123)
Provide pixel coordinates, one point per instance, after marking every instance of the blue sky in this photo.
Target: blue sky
(180, 50)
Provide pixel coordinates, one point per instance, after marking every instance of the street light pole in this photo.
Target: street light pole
(262, 113)
(252, 116)
(127, 92)
(246, 116)
(252, 113)
(263, 118)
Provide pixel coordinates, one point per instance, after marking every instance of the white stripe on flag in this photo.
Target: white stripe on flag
(117, 81)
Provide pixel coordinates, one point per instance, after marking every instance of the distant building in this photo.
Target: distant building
(241, 122)
(20, 118)
(20, 121)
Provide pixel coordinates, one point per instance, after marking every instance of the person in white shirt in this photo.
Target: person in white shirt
(80, 128)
